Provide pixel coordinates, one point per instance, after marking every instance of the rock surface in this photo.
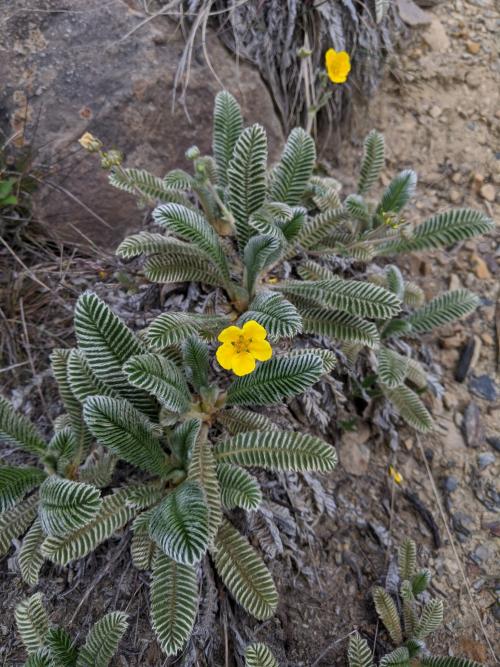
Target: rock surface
(72, 71)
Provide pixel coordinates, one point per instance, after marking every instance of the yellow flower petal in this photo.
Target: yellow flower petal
(338, 65)
(254, 330)
(225, 354)
(243, 363)
(261, 350)
(229, 334)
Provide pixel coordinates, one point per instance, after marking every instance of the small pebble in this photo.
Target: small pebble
(486, 459)
(473, 47)
(450, 484)
(487, 192)
(494, 441)
(484, 387)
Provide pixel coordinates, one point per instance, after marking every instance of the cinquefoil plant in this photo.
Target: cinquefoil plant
(233, 222)
(408, 621)
(52, 646)
(158, 406)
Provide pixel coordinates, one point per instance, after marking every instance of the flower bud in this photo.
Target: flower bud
(90, 143)
(192, 153)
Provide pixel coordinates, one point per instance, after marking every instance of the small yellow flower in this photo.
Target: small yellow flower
(89, 142)
(338, 65)
(396, 476)
(241, 347)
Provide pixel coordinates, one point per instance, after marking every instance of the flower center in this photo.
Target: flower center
(242, 344)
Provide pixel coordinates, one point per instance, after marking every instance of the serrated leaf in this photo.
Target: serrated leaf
(276, 314)
(183, 439)
(15, 521)
(184, 266)
(174, 602)
(125, 431)
(351, 296)
(276, 379)
(228, 125)
(259, 655)
(114, 514)
(441, 230)
(174, 328)
(103, 640)
(392, 367)
(160, 378)
(98, 468)
(259, 252)
(407, 559)
(277, 450)
(60, 368)
(410, 407)
(61, 647)
(192, 227)
(437, 661)
(388, 614)
(30, 558)
(340, 326)
(358, 652)
(373, 161)
(196, 362)
(180, 524)
(244, 573)
(444, 308)
(17, 431)
(202, 469)
(16, 482)
(32, 622)
(108, 343)
(145, 243)
(398, 658)
(83, 381)
(66, 506)
(238, 488)
(293, 172)
(247, 179)
(430, 620)
(239, 420)
(62, 450)
(141, 182)
(399, 192)
(420, 581)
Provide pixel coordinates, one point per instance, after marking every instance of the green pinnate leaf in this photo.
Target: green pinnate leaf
(174, 602)
(17, 431)
(103, 640)
(180, 524)
(259, 655)
(161, 378)
(388, 614)
(358, 652)
(281, 377)
(373, 161)
(66, 506)
(293, 172)
(238, 488)
(244, 573)
(126, 432)
(277, 450)
(16, 482)
(32, 622)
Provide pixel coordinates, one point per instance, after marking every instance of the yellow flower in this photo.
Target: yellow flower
(338, 65)
(396, 476)
(241, 347)
(89, 142)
